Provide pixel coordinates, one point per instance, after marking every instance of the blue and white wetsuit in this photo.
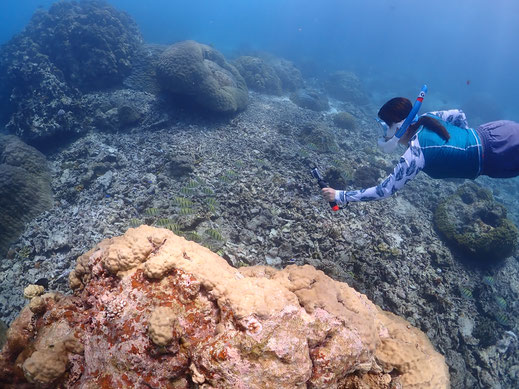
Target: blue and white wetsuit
(459, 157)
(492, 150)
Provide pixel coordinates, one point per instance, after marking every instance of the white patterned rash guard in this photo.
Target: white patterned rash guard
(410, 164)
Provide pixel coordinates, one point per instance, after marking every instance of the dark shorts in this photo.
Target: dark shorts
(500, 148)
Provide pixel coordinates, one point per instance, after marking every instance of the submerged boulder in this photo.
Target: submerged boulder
(201, 75)
(91, 42)
(258, 75)
(290, 76)
(318, 137)
(344, 120)
(24, 187)
(71, 48)
(346, 86)
(310, 99)
(476, 224)
(152, 309)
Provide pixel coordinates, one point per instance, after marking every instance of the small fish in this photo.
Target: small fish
(182, 202)
(192, 184)
(292, 260)
(174, 227)
(468, 82)
(163, 222)
(187, 191)
(43, 282)
(466, 292)
(151, 211)
(135, 222)
(214, 233)
(501, 302)
(208, 191)
(489, 280)
(502, 319)
(184, 211)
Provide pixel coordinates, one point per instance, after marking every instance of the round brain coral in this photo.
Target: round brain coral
(182, 315)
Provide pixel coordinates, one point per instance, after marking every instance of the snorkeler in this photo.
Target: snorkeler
(439, 143)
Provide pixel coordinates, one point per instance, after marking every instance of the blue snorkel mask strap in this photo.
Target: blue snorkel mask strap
(413, 115)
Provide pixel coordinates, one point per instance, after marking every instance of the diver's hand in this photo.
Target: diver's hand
(328, 194)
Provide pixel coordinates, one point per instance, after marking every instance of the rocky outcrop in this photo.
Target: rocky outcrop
(346, 86)
(259, 75)
(345, 120)
(310, 99)
(90, 42)
(290, 76)
(24, 187)
(152, 309)
(72, 48)
(201, 75)
(476, 224)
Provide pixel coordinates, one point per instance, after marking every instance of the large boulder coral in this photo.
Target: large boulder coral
(258, 75)
(317, 137)
(346, 86)
(36, 103)
(345, 120)
(71, 48)
(151, 309)
(144, 69)
(310, 99)
(24, 187)
(91, 42)
(202, 75)
(476, 224)
(290, 76)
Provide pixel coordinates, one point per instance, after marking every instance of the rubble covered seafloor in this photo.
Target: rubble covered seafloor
(153, 309)
(242, 186)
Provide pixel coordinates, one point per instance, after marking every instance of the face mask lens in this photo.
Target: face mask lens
(383, 126)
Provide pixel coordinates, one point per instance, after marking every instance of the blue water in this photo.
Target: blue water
(464, 50)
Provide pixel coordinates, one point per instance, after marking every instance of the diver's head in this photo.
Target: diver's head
(391, 116)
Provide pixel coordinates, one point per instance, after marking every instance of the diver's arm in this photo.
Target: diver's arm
(407, 168)
(454, 116)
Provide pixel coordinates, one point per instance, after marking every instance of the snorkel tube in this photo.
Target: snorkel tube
(412, 115)
(392, 143)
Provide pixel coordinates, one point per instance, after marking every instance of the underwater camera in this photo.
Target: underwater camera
(323, 184)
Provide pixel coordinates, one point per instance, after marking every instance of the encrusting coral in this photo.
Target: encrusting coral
(151, 309)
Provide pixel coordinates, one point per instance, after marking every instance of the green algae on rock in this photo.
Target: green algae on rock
(476, 224)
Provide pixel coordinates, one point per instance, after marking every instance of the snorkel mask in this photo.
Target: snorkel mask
(392, 134)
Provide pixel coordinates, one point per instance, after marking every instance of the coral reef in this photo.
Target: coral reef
(119, 110)
(310, 99)
(366, 176)
(476, 224)
(90, 42)
(3, 333)
(288, 73)
(201, 74)
(152, 309)
(344, 120)
(269, 210)
(24, 187)
(318, 137)
(346, 86)
(258, 75)
(144, 70)
(35, 101)
(73, 47)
